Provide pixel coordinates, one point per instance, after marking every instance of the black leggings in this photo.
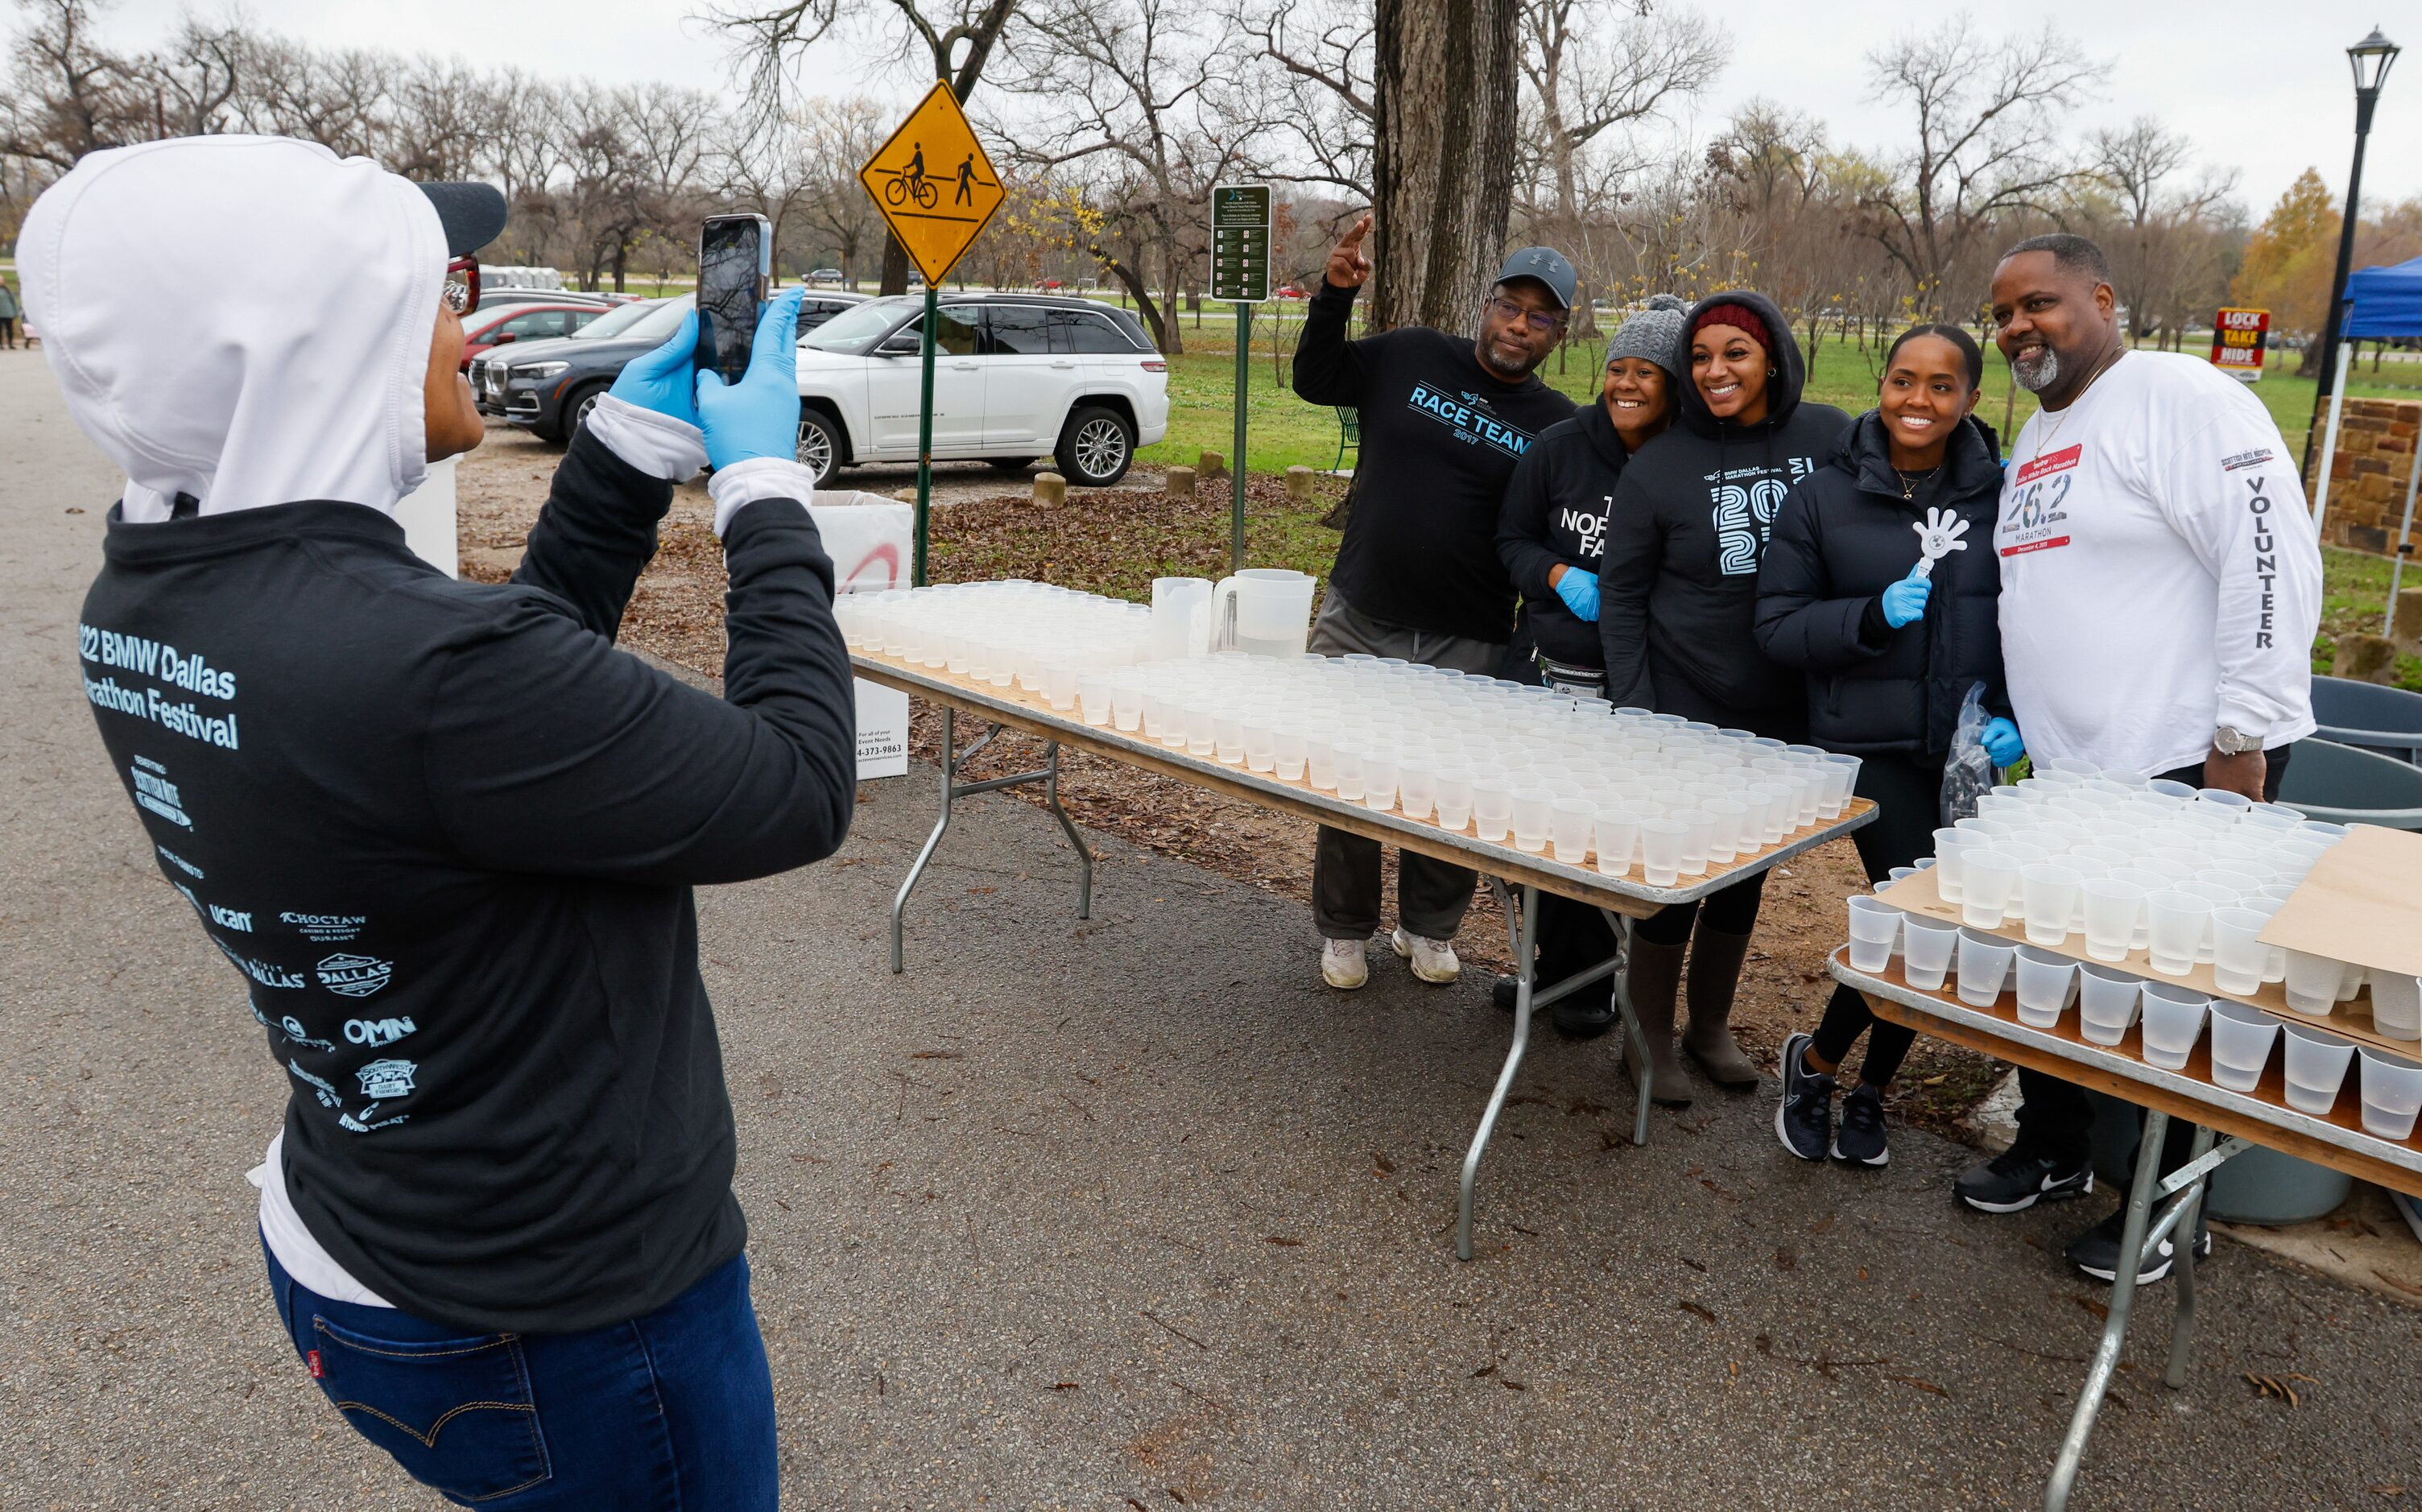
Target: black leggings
(1908, 791)
(1731, 911)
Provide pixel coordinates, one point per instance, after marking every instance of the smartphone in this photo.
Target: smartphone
(736, 255)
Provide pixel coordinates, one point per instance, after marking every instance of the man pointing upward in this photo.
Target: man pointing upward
(1444, 419)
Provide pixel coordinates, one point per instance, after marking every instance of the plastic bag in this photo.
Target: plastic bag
(1967, 772)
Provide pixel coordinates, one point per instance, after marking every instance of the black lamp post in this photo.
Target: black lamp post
(2370, 59)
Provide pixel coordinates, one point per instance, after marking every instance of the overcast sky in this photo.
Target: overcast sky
(2258, 85)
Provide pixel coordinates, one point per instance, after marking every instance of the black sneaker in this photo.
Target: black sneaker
(1585, 1014)
(1503, 992)
(1861, 1139)
(2096, 1251)
(2018, 1177)
(1804, 1120)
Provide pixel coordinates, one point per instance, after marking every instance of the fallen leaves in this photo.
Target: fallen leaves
(1698, 1312)
(1282, 1241)
(2269, 1387)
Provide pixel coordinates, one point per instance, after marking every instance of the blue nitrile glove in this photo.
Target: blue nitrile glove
(759, 416)
(1579, 589)
(2002, 743)
(662, 380)
(1905, 600)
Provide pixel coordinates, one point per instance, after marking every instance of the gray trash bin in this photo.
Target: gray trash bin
(2260, 1187)
(2347, 786)
(2385, 719)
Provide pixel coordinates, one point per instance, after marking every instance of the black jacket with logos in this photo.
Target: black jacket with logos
(1844, 536)
(1440, 436)
(1555, 515)
(447, 832)
(1690, 521)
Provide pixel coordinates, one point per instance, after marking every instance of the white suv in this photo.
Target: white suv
(1015, 376)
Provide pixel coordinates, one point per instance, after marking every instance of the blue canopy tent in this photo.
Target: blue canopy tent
(2380, 302)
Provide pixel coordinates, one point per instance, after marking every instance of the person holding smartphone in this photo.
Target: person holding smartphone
(1891, 643)
(444, 832)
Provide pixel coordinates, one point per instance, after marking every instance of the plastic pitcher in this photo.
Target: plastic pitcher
(1181, 618)
(1263, 611)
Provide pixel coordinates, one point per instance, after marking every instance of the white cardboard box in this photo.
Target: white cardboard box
(869, 539)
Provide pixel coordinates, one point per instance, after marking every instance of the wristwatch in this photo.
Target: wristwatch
(2230, 742)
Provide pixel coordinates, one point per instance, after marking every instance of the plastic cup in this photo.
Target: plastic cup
(1454, 800)
(1840, 772)
(1288, 752)
(2238, 956)
(1093, 697)
(2396, 1005)
(2172, 1022)
(1728, 817)
(1199, 737)
(2349, 982)
(1875, 927)
(1227, 738)
(2392, 1094)
(1617, 837)
(2180, 920)
(2112, 909)
(2046, 982)
(2107, 1002)
(1261, 746)
(2241, 1044)
(1416, 786)
(1533, 811)
(1379, 778)
(1950, 846)
(1349, 774)
(1320, 764)
(1492, 808)
(1126, 705)
(1992, 881)
(1570, 821)
(1984, 965)
(1660, 851)
(1926, 949)
(2312, 982)
(2049, 894)
(1698, 832)
(2317, 1065)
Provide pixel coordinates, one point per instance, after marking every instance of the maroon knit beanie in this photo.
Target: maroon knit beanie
(1735, 315)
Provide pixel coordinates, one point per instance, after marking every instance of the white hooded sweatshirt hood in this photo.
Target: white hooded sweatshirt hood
(243, 319)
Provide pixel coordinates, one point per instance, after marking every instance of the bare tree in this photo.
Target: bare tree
(838, 135)
(1593, 66)
(1319, 87)
(1443, 162)
(770, 41)
(1984, 140)
(70, 96)
(2162, 240)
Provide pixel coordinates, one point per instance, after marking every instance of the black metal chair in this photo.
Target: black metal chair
(1349, 434)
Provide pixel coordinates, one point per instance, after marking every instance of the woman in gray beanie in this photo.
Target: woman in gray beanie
(1550, 534)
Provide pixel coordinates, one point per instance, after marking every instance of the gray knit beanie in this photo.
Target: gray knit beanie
(1654, 333)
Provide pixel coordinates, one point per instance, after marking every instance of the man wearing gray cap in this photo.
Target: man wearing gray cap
(1444, 420)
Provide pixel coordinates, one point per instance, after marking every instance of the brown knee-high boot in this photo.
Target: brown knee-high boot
(1653, 980)
(1715, 976)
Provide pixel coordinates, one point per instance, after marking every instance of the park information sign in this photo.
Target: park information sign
(1240, 242)
(2237, 338)
(933, 183)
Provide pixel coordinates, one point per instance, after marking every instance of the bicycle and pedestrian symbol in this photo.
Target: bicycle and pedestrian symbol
(934, 185)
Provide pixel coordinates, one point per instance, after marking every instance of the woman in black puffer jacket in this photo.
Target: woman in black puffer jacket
(1890, 656)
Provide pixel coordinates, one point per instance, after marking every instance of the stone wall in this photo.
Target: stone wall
(2375, 457)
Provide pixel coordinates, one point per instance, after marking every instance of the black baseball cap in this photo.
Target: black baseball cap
(474, 215)
(1545, 265)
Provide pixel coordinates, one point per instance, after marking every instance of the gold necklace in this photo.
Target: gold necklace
(1908, 489)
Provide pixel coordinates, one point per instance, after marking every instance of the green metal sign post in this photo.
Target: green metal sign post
(924, 433)
(1240, 272)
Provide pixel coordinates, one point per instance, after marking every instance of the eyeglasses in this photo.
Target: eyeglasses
(462, 290)
(1541, 320)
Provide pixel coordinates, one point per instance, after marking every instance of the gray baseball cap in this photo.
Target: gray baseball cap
(1545, 265)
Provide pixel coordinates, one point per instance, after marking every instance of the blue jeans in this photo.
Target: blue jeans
(670, 1412)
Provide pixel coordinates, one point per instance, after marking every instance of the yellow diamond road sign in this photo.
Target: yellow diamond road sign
(933, 183)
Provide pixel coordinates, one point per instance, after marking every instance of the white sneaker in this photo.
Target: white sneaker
(1344, 964)
(1433, 959)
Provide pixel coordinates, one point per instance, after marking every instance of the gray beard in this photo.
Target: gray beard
(1513, 372)
(2035, 375)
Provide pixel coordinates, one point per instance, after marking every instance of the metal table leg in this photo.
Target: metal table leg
(2115, 1326)
(954, 762)
(1635, 1038)
(1523, 925)
(2189, 1207)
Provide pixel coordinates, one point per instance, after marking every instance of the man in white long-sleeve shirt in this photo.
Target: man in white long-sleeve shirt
(2161, 588)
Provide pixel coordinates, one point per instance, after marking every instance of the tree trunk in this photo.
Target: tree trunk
(1175, 341)
(1442, 169)
(895, 266)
